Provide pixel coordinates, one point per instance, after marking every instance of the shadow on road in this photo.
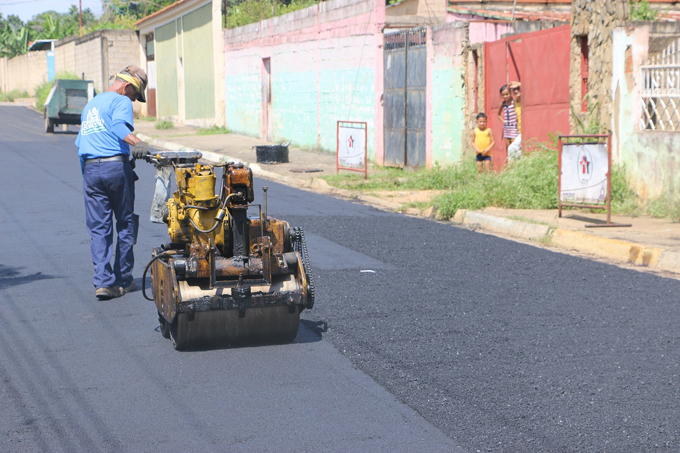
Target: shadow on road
(11, 276)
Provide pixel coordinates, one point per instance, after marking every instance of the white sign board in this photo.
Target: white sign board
(351, 145)
(584, 173)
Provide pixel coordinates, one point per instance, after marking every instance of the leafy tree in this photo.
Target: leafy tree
(249, 11)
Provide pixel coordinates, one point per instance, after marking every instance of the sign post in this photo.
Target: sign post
(585, 174)
(352, 153)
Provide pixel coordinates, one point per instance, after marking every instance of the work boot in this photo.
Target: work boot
(128, 289)
(106, 293)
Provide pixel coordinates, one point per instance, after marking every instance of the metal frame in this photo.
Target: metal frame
(337, 149)
(607, 204)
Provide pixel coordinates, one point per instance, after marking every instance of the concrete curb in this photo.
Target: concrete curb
(614, 249)
(627, 252)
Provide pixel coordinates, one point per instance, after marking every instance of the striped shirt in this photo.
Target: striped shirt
(509, 121)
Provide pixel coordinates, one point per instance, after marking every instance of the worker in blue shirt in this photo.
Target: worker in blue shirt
(105, 143)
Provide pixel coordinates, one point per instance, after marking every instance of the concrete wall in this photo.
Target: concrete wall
(23, 73)
(651, 159)
(97, 56)
(415, 13)
(446, 97)
(326, 66)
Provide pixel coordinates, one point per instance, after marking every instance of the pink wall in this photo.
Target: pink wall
(482, 31)
(318, 43)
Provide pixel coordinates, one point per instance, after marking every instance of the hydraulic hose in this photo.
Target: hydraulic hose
(217, 222)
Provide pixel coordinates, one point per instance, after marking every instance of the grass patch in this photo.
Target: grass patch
(215, 130)
(12, 95)
(164, 125)
(43, 90)
(545, 241)
(147, 118)
(530, 183)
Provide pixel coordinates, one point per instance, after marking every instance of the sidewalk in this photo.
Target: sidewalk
(650, 243)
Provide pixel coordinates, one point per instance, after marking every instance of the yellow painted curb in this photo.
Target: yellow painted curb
(611, 248)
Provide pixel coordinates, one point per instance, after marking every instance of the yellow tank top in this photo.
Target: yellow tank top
(482, 138)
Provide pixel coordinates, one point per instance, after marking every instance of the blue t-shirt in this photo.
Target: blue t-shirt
(100, 128)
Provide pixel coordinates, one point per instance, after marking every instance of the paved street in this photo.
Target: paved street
(424, 336)
(81, 375)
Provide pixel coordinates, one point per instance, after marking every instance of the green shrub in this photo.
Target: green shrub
(12, 95)
(250, 11)
(164, 124)
(641, 10)
(43, 90)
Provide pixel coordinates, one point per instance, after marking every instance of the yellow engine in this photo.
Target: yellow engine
(225, 277)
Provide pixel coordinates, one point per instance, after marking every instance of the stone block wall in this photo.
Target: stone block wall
(594, 20)
(23, 73)
(97, 56)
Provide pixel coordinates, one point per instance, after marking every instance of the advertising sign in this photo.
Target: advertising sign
(585, 167)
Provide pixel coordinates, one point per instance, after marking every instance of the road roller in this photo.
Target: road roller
(225, 277)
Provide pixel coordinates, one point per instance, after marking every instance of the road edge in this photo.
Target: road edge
(614, 249)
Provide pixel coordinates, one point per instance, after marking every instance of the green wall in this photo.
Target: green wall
(199, 80)
(166, 70)
(243, 101)
(296, 104)
(447, 115)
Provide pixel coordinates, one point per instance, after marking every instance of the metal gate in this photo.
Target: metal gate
(404, 100)
(541, 61)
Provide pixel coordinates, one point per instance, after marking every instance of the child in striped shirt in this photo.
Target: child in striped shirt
(508, 116)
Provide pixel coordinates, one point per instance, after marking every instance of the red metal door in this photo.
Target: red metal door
(540, 61)
(545, 88)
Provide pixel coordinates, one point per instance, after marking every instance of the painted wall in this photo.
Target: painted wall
(165, 38)
(446, 98)
(188, 51)
(199, 82)
(652, 159)
(326, 66)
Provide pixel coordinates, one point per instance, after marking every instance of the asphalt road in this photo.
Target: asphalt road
(499, 346)
(80, 375)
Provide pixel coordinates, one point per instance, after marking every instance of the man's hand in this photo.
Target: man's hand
(140, 150)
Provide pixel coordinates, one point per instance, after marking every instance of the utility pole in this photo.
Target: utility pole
(80, 15)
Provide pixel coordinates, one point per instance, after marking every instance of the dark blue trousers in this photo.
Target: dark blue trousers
(109, 191)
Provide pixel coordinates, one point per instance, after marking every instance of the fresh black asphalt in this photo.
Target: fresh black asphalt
(503, 346)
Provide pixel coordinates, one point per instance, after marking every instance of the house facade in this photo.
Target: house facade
(181, 50)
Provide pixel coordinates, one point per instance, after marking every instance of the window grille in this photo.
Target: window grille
(660, 91)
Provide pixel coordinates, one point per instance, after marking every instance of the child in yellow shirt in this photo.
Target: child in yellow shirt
(482, 142)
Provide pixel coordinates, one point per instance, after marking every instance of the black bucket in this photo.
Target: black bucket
(272, 154)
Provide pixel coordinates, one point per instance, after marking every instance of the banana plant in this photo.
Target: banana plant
(13, 43)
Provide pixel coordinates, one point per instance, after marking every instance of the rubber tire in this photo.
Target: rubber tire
(49, 125)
